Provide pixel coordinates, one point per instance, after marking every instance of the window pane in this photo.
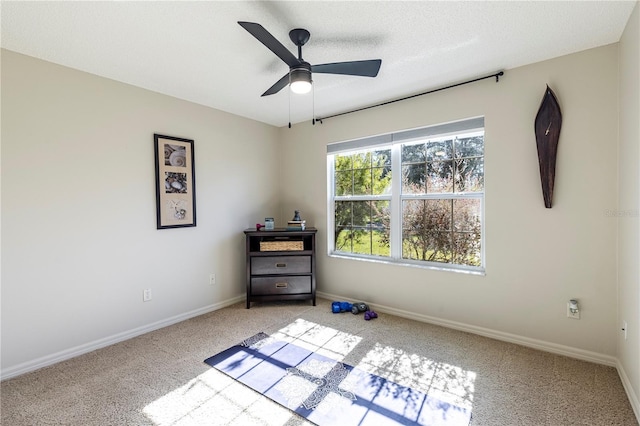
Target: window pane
(469, 175)
(439, 215)
(466, 248)
(413, 153)
(380, 243)
(343, 240)
(469, 147)
(344, 183)
(362, 227)
(381, 172)
(413, 212)
(381, 180)
(442, 248)
(424, 216)
(467, 215)
(343, 162)
(361, 213)
(440, 177)
(362, 241)
(380, 214)
(430, 246)
(413, 246)
(343, 214)
(414, 235)
(439, 150)
(362, 182)
(381, 158)
(426, 225)
(414, 179)
(362, 160)
(379, 225)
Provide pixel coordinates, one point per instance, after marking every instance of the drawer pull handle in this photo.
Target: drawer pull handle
(281, 265)
(282, 285)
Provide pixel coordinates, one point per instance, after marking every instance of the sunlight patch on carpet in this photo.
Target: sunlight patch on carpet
(292, 372)
(444, 381)
(214, 398)
(322, 385)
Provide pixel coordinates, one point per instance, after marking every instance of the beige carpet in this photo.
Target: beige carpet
(160, 378)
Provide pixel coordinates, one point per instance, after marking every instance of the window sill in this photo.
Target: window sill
(420, 265)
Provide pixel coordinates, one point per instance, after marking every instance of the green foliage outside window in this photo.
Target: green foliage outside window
(359, 224)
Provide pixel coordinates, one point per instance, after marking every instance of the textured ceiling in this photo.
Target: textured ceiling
(196, 50)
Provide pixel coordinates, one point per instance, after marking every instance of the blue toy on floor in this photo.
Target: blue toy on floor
(337, 307)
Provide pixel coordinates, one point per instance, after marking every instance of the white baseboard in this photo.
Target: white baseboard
(45, 361)
(494, 334)
(633, 398)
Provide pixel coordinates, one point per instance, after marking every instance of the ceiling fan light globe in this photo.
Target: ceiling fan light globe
(300, 87)
(300, 79)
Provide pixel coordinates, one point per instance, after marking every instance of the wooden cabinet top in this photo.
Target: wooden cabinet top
(279, 232)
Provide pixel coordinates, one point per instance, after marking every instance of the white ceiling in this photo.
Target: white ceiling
(196, 50)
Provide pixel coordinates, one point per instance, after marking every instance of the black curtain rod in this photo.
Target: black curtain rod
(496, 75)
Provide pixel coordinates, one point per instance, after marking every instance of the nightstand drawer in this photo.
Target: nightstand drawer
(263, 286)
(272, 265)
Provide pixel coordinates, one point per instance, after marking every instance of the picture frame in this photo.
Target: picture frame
(175, 182)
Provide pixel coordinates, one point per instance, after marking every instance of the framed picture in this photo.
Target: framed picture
(175, 182)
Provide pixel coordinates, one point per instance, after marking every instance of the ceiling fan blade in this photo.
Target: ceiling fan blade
(368, 68)
(280, 84)
(270, 41)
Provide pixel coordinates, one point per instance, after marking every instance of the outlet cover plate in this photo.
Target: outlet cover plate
(572, 315)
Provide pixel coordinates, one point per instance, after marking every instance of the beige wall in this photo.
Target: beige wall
(629, 208)
(536, 258)
(79, 238)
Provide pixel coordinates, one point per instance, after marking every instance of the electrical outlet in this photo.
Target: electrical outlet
(624, 329)
(212, 279)
(146, 295)
(573, 315)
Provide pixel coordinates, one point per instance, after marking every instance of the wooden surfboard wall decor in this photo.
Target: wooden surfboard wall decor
(547, 128)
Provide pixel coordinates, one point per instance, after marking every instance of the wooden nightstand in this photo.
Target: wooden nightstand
(281, 265)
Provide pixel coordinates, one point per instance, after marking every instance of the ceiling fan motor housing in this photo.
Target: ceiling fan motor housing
(300, 78)
(301, 72)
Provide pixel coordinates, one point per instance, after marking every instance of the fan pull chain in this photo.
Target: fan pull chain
(289, 107)
(313, 105)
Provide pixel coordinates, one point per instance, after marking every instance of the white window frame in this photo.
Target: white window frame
(395, 142)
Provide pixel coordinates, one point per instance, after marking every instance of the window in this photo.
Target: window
(413, 197)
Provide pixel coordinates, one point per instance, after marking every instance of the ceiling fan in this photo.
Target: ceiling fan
(299, 75)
